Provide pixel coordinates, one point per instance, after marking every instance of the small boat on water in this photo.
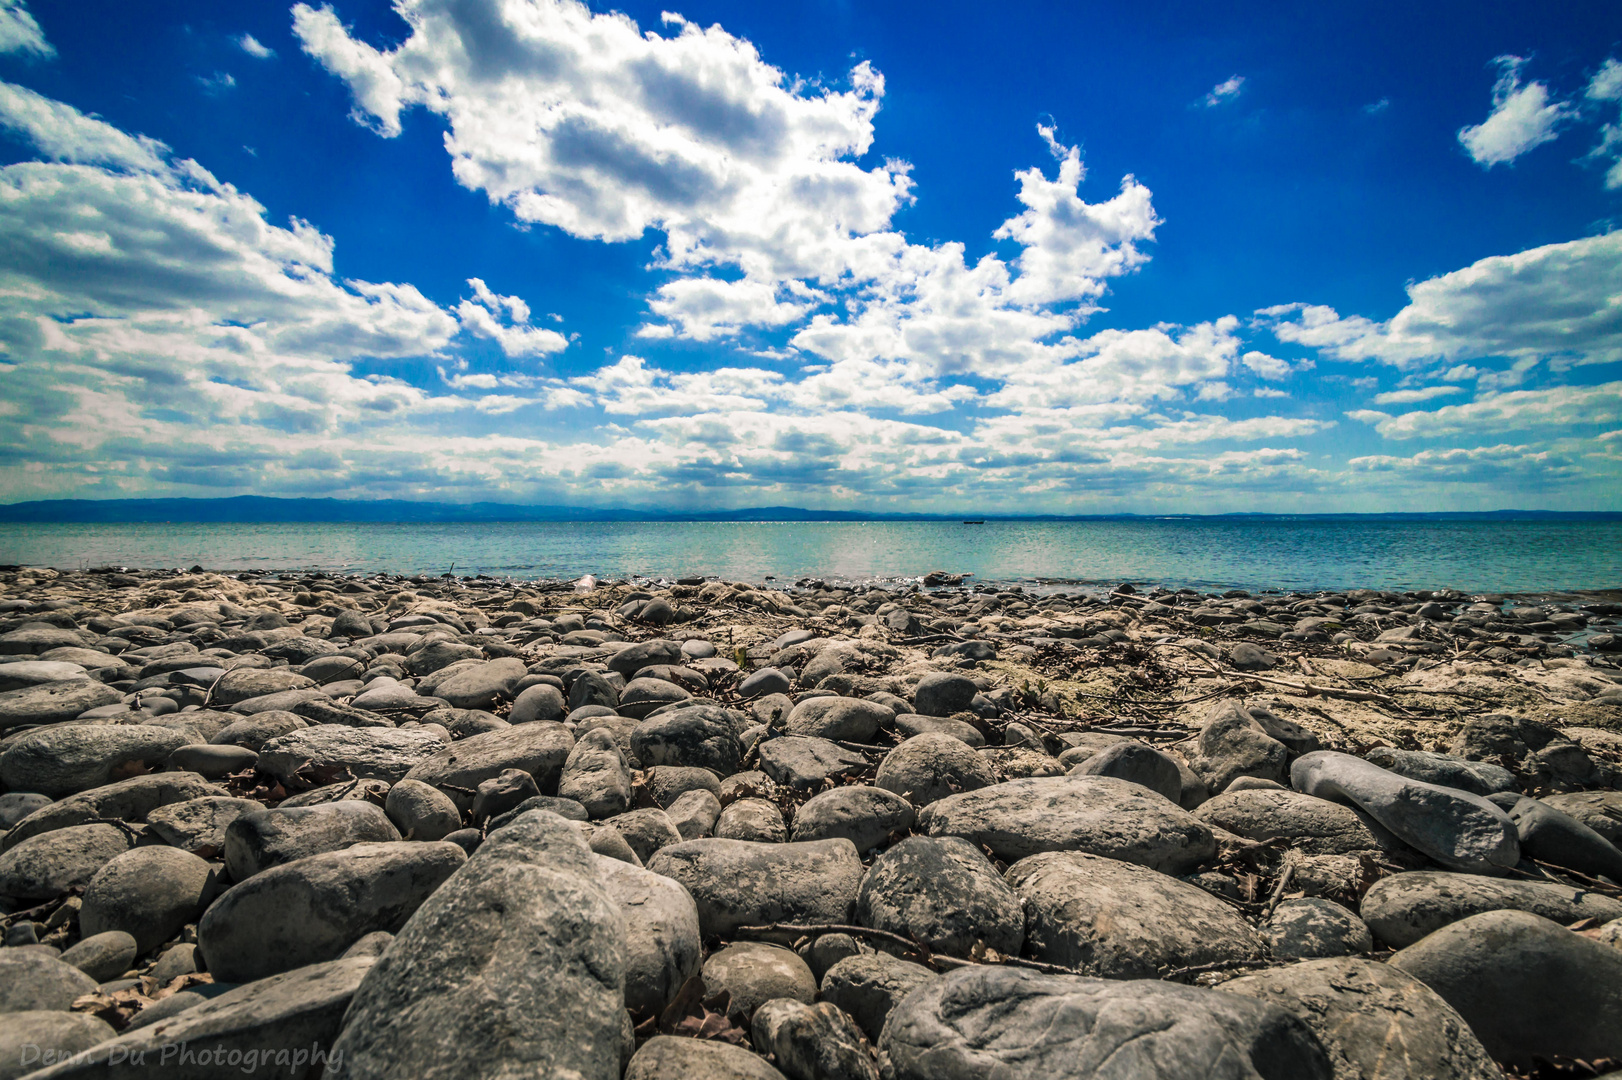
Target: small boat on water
(980, 522)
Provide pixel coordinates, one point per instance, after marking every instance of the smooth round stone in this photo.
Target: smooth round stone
(40, 1038)
(104, 956)
(1309, 928)
(942, 892)
(930, 767)
(866, 816)
(754, 973)
(668, 1057)
(764, 681)
(47, 865)
(16, 805)
(32, 982)
(910, 724)
(752, 819)
(421, 812)
(213, 761)
(149, 893)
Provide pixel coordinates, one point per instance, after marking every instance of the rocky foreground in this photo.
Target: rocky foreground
(378, 827)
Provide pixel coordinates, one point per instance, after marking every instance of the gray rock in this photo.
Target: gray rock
(1599, 810)
(590, 688)
(1248, 657)
(752, 973)
(942, 693)
(296, 1013)
(539, 748)
(375, 792)
(63, 760)
(670, 782)
(244, 683)
(516, 966)
(1096, 814)
(752, 819)
(259, 840)
(1003, 1023)
(1139, 764)
(33, 1040)
(868, 986)
(642, 696)
(762, 682)
(372, 753)
(1459, 830)
(633, 658)
(646, 831)
(927, 768)
(387, 693)
(596, 775)
(103, 956)
(943, 893)
(440, 654)
(1231, 744)
(1526, 986)
(1312, 825)
(1476, 777)
(667, 1057)
(149, 893)
(1121, 921)
(311, 910)
(1550, 836)
(177, 960)
(421, 812)
(132, 800)
(1376, 1022)
(46, 866)
(1403, 908)
(563, 808)
(910, 724)
(198, 825)
(503, 793)
(213, 761)
(375, 943)
(477, 686)
(803, 761)
(53, 702)
(662, 946)
(1307, 928)
(866, 816)
(701, 736)
(607, 841)
(851, 719)
(29, 983)
(254, 731)
(540, 702)
(738, 883)
(16, 805)
(694, 813)
(811, 1042)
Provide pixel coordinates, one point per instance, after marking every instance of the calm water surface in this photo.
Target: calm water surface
(1278, 554)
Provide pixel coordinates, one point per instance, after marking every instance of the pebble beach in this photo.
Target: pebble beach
(327, 825)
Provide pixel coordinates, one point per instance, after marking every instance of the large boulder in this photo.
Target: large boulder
(1376, 1021)
(1005, 1023)
(149, 893)
(311, 910)
(260, 839)
(515, 966)
(1097, 814)
(63, 760)
(288, 1021)
(339, 750)
(662, 945)
(744, 883)
(539, 748)
(943, 893)
(1529, 988)
(1121, 921)
(1459, 830)
(1403, 908)
(1233, 743)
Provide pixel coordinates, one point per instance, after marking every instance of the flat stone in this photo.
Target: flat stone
(20, 673)
(297, 1012)
(32, 1040)
(1309, 824)
(1403, 908)
(241, 684)
(850, 719)
(866, 816)
(1476, 777)
(198, 825)
(515, 966)
(211, 761)
(869, 986)
(1096, 814)
(910, 724)
(29, 983)
(133, 800)
(662, 946)
(44, 867)
(1310, 927)
(59, 761)
(642, 696)
(739, 883)
(1004, 1023)
(478, 686)
(1459, 830)
(369, 753)
(252, 732)
(633, 658)
(1122, 921)
(943, 893)
(1376, 1021)
(259, 840)
(313, 909)
(1527, 987)
(538, 748)
(53, 702)
(804, 761)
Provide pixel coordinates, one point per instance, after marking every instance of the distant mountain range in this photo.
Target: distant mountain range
(248, 509)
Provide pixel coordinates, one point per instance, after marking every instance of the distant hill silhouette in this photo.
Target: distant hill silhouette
(260, 509)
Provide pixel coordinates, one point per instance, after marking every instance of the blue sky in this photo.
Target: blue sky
(1001, 258)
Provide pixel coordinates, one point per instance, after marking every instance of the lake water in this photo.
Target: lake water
(1516, 556)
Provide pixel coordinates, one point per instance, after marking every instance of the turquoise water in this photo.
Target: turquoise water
(1527, 556)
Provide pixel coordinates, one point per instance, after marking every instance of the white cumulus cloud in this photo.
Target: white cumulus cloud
(20, 33)
(1226, 90)
(1523, 116)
